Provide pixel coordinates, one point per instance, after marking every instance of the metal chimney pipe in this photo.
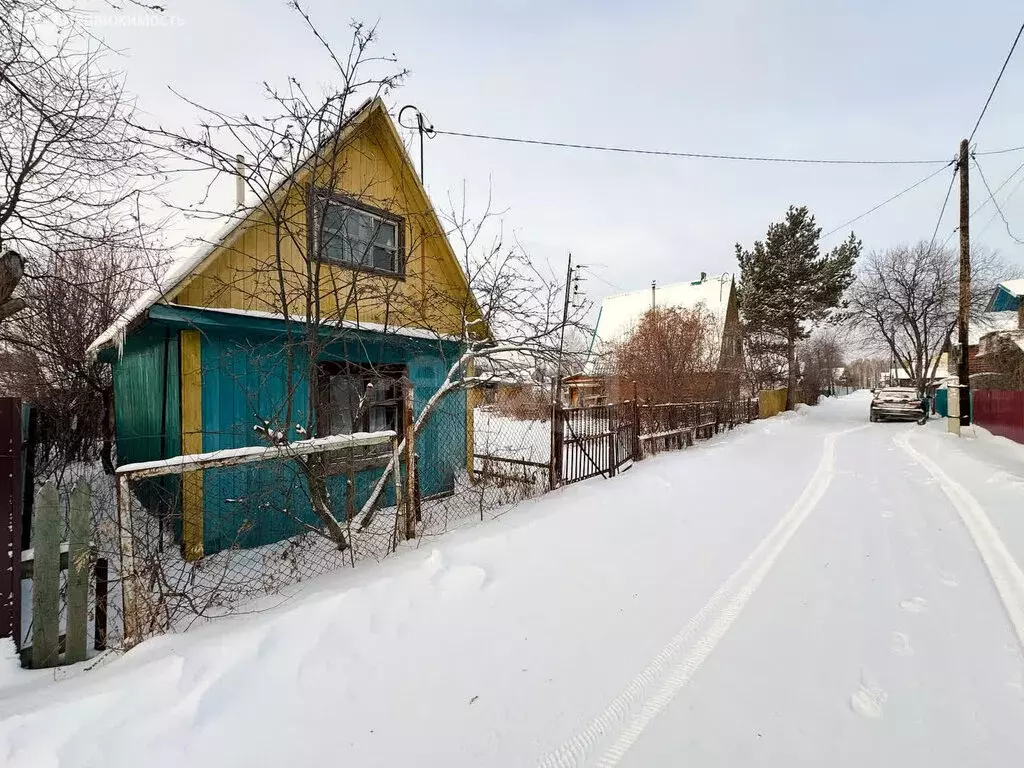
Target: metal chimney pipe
(654, 293)
(239, 181)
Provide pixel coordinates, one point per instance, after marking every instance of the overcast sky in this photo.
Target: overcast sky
(869, 79)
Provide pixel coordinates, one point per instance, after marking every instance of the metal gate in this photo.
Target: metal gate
(593, 440)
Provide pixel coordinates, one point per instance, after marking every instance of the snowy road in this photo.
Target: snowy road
(809, 590)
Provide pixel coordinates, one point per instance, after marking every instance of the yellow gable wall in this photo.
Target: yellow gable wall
(247, 271)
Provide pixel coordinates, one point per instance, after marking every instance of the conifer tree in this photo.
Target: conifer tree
(787, 285)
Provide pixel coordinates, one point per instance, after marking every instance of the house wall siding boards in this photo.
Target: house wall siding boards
(245, 381)
(243, 273)
(139, 379)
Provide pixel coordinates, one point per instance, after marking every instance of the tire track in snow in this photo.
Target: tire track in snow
(673, 667)
(1005, 572)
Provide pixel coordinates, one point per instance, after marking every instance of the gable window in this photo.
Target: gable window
(358, 236)
(341, 386)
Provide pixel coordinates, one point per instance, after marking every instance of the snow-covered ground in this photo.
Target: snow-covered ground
(807, 590)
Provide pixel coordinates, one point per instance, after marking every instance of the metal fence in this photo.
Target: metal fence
(606, 439)
(1001, 412)
(198, 536)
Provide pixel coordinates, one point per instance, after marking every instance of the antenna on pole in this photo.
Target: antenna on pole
(422, 127)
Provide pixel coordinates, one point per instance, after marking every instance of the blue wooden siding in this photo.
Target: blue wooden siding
(1003, 301)
(146, 431)
(245, 382)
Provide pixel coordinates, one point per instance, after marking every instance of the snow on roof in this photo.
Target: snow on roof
(358, 325)
(1014, 287)
(987, 322)
(178, 270)
(621, 313)
(188, 262)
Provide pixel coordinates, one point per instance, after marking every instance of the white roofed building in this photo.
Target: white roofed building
(621, 314)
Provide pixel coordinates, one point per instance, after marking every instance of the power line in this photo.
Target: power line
(998, 151)
(992, 197)
(992, 194)
(899, 194)
(996, 83)
(942, 211)
(669, 153)
(1005, 201)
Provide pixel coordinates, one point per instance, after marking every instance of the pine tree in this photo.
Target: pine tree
(787, 285)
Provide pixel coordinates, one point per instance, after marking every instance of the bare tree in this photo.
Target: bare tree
(865, 372)
(820, 356)
(294, 170)
(72, 168)
(670, 355)
(78, 295)
(905, 301)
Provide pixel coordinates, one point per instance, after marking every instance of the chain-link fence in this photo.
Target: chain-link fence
(199, 536)
(503, 445)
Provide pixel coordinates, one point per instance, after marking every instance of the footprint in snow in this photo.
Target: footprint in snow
(949, 580)
(900, 644)
(915, 605)
(867, 700)
(886, 513)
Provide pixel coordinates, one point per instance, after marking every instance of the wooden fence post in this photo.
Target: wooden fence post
(396, 457)
(46, 578)
(79, 556)
(408, 429)
(637, 447)
(612, 440)
(100, 624)
(11, 510)
(557, 445)
(130, 586)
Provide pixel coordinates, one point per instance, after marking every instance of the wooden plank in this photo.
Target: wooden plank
(520, 462)
(100, 624)
(79, 562)
(46, 579)
(191, 442)
(11, 499)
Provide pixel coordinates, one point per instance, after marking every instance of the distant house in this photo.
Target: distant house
(212, 350)
(620, 315)
(898, 376)
(1007, 297)
(1004, 315)
(997, 360)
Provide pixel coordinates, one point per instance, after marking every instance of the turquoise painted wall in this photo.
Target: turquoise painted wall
(245, 382)
(1003, 301)
(139, 377)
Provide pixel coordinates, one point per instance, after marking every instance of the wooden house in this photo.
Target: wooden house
(713, 298)
(340, 277)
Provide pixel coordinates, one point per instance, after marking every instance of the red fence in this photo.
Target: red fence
(1001, 412)
(10, 519)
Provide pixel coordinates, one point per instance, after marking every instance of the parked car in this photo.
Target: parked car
(897, 403)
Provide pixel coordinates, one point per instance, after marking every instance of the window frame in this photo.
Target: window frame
(329, 369)
(321, 199)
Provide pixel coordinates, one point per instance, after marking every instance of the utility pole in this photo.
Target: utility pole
(561, 340)
(963, 368)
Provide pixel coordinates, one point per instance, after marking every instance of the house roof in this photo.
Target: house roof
(987, 322)
(227, 228)
(621, 313)
(1014, 287)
